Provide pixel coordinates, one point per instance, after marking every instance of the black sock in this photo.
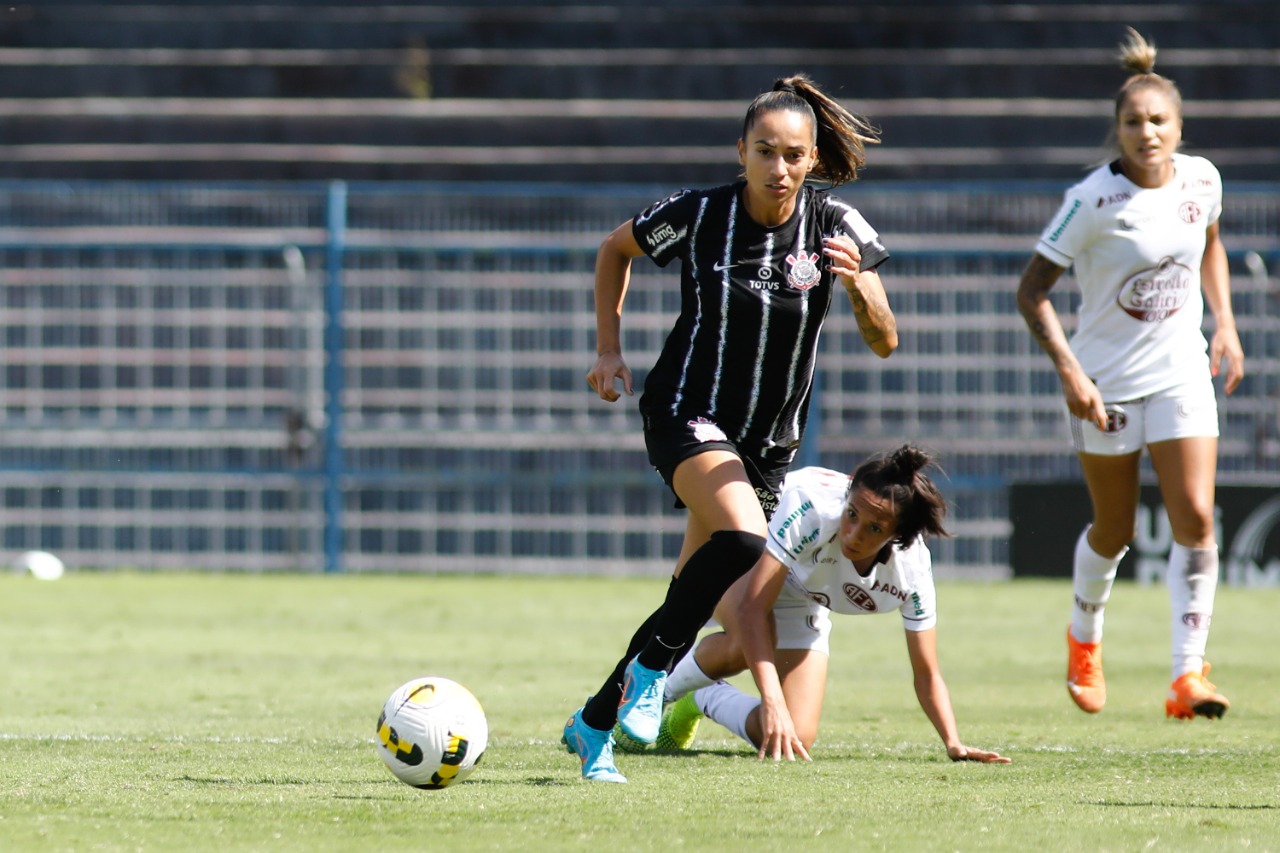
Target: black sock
(693, 597)
(601, 710)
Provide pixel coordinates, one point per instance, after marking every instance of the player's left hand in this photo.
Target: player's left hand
(843, 259)
(1226, 344)
(968, 753)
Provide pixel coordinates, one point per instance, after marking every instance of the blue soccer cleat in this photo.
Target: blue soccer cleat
(594, 749)
(640, 711)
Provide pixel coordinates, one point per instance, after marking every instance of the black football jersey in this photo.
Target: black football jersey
(752, 302)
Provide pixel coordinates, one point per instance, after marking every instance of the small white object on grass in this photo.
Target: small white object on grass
(41, 565)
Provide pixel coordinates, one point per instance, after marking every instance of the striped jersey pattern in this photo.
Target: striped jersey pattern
(752, 302)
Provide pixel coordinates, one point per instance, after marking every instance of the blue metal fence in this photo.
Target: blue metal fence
(372, 378)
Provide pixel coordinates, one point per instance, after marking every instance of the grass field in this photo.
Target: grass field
(204, 712)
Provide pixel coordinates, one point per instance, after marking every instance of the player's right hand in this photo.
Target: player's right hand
(602, 378)
(1084, 400)
(778, 738)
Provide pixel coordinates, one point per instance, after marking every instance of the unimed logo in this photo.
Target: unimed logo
(1057, 232)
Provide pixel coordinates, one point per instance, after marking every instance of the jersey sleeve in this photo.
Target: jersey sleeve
(663, 229)
(920, 610)
(869, 246)
(1068, 232)
(852, 223)
(796, 525)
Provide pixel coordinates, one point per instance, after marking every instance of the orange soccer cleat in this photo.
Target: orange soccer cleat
(1085, 683)
(1193, 694)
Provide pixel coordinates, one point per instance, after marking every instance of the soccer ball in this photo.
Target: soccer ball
(39, 564)
(432, 732)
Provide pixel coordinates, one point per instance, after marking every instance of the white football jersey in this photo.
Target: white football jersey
(1137, 255)
(804, 537)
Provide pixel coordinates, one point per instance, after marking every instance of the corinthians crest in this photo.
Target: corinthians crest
(804, 272)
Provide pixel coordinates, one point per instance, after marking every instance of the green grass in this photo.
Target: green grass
(205, 712)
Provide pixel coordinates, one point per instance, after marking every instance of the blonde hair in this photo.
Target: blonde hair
(1138, 57)
(840, 136)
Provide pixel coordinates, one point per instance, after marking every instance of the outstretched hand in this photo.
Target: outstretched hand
(983, 756)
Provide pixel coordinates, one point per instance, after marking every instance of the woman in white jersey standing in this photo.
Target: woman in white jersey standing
(1142, 234)
(850, 544)
(725, 404)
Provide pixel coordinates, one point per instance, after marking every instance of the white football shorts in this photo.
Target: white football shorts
(802, 623)
(1189, 410)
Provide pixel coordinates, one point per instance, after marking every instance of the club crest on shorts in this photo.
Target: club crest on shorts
(804, 272)
(1117, 420)
(705, 430)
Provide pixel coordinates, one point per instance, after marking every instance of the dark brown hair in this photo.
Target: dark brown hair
(899, 477)
(840, 136)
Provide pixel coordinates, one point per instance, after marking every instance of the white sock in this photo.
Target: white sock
(1193, 582)
(728, 706)
(1091, 578)
(685, 678)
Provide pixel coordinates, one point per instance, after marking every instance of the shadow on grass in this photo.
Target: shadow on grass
(690, 753)
(223, 780)
(1167, 805)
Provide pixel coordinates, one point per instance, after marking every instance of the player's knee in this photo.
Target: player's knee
(729, 656)
(1109, 537)
(739, 546)
(1196, 525)
(737, 551)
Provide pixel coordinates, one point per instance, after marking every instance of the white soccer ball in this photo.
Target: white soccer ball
(39, 564)
(432, 732)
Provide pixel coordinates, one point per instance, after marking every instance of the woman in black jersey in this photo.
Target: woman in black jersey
(725, 405)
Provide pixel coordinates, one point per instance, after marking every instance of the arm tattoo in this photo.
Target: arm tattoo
(874, 318)
(1033, 300)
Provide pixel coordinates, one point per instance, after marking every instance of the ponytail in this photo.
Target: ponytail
(1138, 57)
(840, 136)
(901, 478)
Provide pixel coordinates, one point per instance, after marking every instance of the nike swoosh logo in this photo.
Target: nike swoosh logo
(722, 267)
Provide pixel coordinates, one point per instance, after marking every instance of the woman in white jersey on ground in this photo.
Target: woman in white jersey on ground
(1142, 234)
(725, 404)
(850, 544)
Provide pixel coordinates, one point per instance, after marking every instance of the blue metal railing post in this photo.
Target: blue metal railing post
(334, 376)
